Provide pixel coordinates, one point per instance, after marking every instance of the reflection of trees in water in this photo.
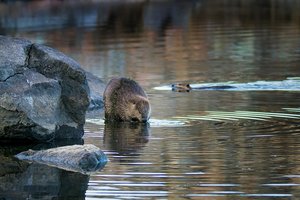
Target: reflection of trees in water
(239, 155)
(134, 16)
(255, 152)
(180, 37)
(252, 11)
(128, 17)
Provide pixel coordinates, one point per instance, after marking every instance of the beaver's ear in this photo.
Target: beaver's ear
(141, 99)
(135, 100)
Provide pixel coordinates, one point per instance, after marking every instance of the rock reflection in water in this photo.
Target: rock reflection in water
(22, 180)
(125, 138)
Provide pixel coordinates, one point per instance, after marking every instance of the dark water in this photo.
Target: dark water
(196, 146)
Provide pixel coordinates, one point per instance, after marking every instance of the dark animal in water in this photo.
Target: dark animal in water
(180, 87)
(125, 100)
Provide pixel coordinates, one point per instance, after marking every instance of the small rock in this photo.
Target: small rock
(78, 158)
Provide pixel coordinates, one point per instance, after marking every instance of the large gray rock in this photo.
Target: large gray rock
(97, 87)
(44, 94)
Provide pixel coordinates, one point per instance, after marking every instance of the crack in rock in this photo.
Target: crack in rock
(10, 76)
(28, 51)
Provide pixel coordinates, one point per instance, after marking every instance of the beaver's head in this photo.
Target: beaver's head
(137, 110)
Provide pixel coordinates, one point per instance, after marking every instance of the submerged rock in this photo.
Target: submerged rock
(44, 94)
(78, 158)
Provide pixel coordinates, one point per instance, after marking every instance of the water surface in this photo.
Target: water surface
(159, 43)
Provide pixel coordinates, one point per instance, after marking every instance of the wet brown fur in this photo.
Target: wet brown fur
(125, 100)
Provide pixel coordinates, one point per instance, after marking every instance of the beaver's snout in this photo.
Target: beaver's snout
(135, 119)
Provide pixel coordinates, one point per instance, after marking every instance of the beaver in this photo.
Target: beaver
(180, 87)
(125, 100)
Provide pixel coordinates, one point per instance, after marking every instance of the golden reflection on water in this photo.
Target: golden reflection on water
(196, 41)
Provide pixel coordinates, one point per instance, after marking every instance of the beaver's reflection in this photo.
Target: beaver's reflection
(125, 138)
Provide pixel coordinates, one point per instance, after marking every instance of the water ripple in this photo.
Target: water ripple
(152, 122)
(290, 84)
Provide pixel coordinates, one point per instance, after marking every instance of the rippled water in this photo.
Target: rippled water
(202, 144)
